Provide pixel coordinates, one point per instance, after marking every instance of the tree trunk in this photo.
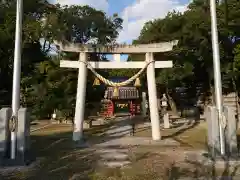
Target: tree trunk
(172, 103)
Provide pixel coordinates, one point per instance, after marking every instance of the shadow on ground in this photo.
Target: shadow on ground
(210, 165)
(56, 158)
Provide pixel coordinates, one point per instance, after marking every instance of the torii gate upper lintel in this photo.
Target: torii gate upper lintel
(117, 49)
(148, 49)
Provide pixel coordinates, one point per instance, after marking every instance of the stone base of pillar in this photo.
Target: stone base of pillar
(213, 145)
(23, 154)
(230, 135)
(231, 132)
(81, 143)
(77, 136)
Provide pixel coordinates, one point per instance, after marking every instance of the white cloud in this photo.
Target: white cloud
(98, 4)
(141, 11)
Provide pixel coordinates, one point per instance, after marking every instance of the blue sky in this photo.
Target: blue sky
(134, 12)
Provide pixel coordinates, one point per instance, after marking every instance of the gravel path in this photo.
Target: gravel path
(114, 147)
(110, 152)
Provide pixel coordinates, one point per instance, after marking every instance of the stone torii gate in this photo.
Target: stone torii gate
(147, 49)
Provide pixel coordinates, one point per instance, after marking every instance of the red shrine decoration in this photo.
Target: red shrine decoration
(135, 108)
(128, 102)
(107, 108)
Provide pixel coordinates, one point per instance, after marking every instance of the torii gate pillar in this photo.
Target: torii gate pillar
(152, 95)
(80, 99)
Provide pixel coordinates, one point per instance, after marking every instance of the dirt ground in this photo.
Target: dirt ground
(58, 159)
(193, 135)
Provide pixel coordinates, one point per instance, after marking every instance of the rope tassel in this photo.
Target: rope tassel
(115, 92)
(137, 82)
(96, 82)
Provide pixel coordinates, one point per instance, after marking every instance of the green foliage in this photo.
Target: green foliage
(32, 53)
(192, 56)
(45, 86)
(80, 24)
(50, 88)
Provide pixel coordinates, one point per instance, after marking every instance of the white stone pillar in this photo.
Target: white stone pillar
(80, 101)
(152, 94)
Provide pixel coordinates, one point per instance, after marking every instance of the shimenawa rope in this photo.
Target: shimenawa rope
(111, 83)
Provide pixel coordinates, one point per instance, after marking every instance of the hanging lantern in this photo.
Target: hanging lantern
(96, 82)
(137, 83)
(115, 92)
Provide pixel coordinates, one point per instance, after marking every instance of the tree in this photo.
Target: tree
(44, 85)
(193, 55)
(80, 24)
(32, 53)
(51, 87)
